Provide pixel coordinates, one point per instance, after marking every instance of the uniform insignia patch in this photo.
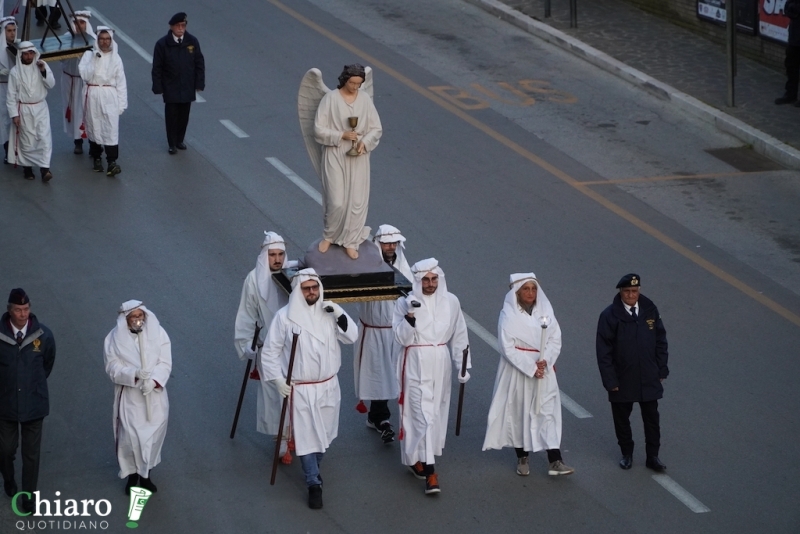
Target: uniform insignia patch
(37, 344)
(191, 49)
(651, 323)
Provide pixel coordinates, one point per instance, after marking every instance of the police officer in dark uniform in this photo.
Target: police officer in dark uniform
(632, 357)
(179, 70)
(27, 354)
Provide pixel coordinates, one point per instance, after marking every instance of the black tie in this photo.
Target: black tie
(19, 337)
(633, 312)
(180, 40)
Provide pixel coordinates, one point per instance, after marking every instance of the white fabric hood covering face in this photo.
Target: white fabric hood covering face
(28, 74)
(96, 46)
(519, 324)
(267, 289)
(127, 344)
(389, 234)
(83, 15)
(433, 317)
(311, 319)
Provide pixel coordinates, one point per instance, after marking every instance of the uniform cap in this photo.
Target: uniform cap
(629, 280)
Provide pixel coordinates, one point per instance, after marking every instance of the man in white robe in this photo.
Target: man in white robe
(526, 404)
(314, 391)
(72, 88)
(138, 359)
(31, 141)
(106, 98)
(345, 179)
(8, 58)
(261, 299)
(375, 361)
(431, 328)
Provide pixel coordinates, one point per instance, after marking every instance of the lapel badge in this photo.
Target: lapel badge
(37, 344)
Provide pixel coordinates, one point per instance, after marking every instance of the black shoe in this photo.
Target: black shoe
(315, 497)
(113, 169)
(417, 470)
(46, 175)
(78, 146)
(55, 25)
(147, 483)
(98, 165)
(180, 146)
(655, 464)
(786, 99)
(133, 480)
(11, 487)
(27, 173)
(626, 462)
(172, 151)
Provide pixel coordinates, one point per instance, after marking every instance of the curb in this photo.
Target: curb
(761, 142)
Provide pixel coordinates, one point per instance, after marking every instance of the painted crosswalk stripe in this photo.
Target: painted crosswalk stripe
(681, 494)
(235, 130)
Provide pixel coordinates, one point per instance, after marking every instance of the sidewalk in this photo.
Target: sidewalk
(673, 56)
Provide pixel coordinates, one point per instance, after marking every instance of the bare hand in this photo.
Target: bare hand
(615, 389)
(361, 148)
(538, 374)
(662, 379)
(16, 121)
(350, 136)
(40, 64)
(541, 364)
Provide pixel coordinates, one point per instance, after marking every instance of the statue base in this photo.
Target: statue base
(366, 278)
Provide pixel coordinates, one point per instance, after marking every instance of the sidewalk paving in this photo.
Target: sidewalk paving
(674, 56)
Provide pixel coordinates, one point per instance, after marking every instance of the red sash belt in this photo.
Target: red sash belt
(527, 350)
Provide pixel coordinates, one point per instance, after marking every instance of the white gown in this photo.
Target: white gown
(139, 441)
(316, 397)
(106, 95)
(425, 380)
(7, 61)
(32, 143)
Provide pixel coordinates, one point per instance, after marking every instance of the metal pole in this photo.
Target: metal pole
(730, 42)
(573, 13)
(547, 9)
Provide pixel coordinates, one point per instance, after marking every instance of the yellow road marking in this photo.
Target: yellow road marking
(670, 177)
(545, 165)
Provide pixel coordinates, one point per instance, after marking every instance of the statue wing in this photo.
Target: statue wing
(367, 85)
(312, 89)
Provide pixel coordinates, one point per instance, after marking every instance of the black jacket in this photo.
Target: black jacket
(24, 370)
(178, 69)
(792, 10)
(632, 353)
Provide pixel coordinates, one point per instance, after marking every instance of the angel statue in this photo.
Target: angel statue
(326, 120)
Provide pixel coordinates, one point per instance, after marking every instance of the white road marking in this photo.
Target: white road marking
(296, 180)
(122, 35)
(130, 42)
(235, 130)
(566, 401)
(681, 494)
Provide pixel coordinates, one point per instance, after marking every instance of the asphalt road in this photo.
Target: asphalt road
(500, 154)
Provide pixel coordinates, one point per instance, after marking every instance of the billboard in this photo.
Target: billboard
(772, 23)
(715, 11)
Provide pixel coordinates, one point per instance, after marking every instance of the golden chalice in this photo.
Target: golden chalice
(353, 123)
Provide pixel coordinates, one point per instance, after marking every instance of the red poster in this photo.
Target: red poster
(772, 23)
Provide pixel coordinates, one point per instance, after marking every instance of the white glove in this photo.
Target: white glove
(4, 72)
(463, 379)
(412, 304)
(148, 385)
(283, 388)
(141, 374)
(332, 307)
(249, 354)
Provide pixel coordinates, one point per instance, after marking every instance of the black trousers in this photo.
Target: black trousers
(176, 117)
(96, 151)
(379, 411)
(41, 14)
(553, 455)
(792, 64)
(650, 419)
(31, 445)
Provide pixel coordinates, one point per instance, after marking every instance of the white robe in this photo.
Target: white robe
(7, 61)
(424, 372)
(375, 361)
(513, 421)
(30, 144)
(106, 95)
(316, 397)
(345, 179)
(253, 308)
(139, 441)
(72, 96)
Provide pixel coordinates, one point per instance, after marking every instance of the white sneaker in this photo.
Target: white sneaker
(558, 468)
(523, 469)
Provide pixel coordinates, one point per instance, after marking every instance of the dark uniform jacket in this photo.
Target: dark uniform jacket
(178, 69)
(24, 370)
(792, 10)
(632, 353)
